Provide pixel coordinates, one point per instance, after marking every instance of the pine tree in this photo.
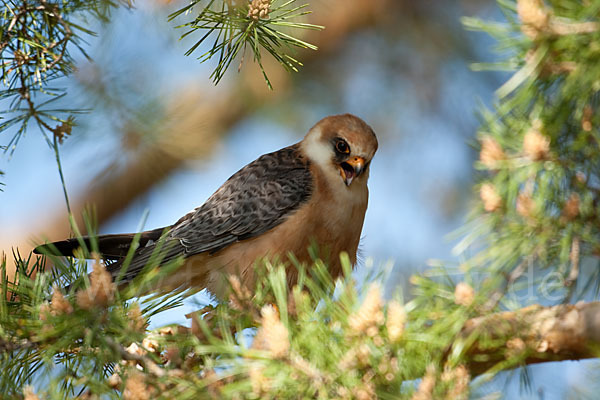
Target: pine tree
(538, 212)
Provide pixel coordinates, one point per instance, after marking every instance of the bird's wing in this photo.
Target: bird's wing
(254, 200)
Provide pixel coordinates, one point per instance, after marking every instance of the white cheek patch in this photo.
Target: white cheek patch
(321, 153)
(317, 151)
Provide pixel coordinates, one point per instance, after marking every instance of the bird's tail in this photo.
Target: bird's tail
(110, 246)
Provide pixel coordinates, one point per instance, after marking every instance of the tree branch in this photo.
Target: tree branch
(144, 361)
(533, 335)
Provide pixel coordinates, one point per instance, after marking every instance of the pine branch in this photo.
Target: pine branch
(141, 359)
(539, 145)
(36, 42)
(532, 335)
(238, 25)
(322, 337)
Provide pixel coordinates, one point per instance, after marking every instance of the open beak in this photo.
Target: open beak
(351, 169)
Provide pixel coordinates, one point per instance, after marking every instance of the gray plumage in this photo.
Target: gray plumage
(254, 200)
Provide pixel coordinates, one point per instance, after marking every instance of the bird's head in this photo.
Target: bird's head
(342, 145)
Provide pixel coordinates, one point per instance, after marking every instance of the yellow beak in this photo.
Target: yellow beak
(351, 169)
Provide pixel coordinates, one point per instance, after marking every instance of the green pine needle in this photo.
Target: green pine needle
(234, 31)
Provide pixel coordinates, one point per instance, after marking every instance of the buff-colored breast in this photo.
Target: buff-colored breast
(332, 219)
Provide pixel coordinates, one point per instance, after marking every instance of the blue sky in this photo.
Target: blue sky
(420, 178)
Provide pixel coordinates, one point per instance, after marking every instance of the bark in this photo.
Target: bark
(533, 335)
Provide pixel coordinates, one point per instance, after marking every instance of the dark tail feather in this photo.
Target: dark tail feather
(111, 246)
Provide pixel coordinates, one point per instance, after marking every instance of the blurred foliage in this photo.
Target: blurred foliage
(36, 43)
(318, 339)
(37, 39)
(72, 341)
(540, 145)
(333, 339)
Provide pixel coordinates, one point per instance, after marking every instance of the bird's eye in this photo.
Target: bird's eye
(342, 147)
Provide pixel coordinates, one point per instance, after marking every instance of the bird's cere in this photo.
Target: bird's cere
(352, 169)
(259, 9)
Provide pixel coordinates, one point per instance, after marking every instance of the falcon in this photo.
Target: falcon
(282, 204)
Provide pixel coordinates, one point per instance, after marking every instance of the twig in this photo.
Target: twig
(67, 36)
(60, 172)
(26, 94)
(566, 28)
(144, 361)
(497, 295)
(9, 346)
(563, 332)
(574, 273)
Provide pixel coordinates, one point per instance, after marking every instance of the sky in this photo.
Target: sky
(422, 105)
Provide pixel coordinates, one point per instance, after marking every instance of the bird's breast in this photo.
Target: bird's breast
(331, 219)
